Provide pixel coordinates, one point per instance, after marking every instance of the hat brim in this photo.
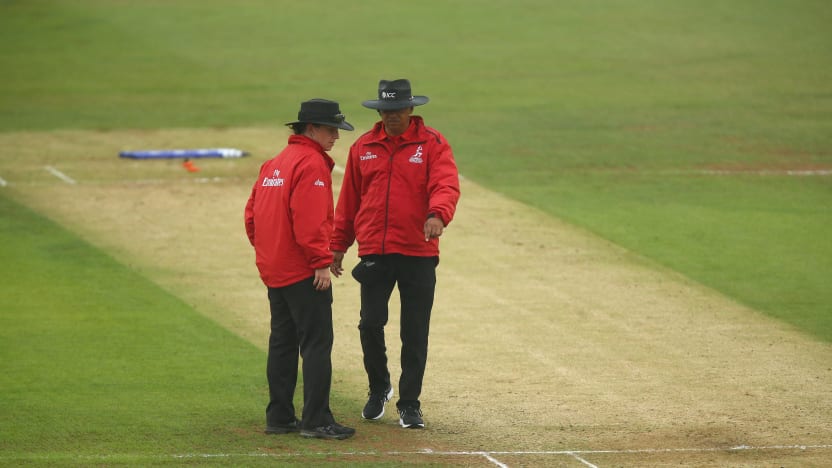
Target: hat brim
(379, 104)
(343, 125)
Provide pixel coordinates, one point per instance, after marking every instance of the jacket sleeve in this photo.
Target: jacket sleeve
(311, 210)
(349, 201)
(249, 214)
(443, 183)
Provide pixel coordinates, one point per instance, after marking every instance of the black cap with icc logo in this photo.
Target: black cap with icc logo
(393, 95)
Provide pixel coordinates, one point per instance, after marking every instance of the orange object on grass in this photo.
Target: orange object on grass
(190, 166)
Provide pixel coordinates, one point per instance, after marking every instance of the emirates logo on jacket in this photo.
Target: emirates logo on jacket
(275, 181)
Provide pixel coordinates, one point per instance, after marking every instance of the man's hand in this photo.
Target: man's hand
(433, 228)
(336, 268)
(322, 281)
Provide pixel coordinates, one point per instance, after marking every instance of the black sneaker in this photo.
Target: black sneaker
(374, 409)
(292, 426)
(410, 417)
(333, 431)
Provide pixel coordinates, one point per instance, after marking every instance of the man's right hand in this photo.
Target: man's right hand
(336, 268)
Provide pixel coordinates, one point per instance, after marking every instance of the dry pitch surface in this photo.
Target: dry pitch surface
(549, 346)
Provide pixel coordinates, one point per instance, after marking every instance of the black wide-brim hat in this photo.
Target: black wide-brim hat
(322, 112)
(393, 95)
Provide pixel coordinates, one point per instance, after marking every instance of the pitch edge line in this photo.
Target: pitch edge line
(493, 460)
(489, 454)
(667, 450)
(60, 175)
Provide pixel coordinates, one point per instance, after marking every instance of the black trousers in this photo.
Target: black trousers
(416, 279)
(301, 323)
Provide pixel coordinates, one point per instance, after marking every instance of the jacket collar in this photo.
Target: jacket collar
(306, 141)
(413, 132)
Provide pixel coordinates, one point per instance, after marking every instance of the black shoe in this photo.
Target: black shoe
(374, 409)
(333, 431)
(292, 426)
(410, 417)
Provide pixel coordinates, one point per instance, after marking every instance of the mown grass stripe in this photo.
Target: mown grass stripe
(96, 359)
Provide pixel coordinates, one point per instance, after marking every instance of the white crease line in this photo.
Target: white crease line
(124, 183)
(763, 172)
(197, 180)
(732, 172)
(489, 453)
(664, 450)
(3, 182)
(494, 460)
(710, 172)
(580, 459)
(60, 175)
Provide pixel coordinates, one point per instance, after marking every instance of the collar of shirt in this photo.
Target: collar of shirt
(306, 141)
(412, 132)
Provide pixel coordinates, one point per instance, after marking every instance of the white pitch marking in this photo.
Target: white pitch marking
(60, 175)
(764, 172)
(519, 452)
(494, 460)
(665, 450)
(580, 459)
(208, 180)
(718, 172)
(487, 454)
(3, 182)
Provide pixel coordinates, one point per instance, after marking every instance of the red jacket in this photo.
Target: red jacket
(390, 187)
(289, 213)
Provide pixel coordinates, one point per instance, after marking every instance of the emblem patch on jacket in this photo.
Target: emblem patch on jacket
(417, 156)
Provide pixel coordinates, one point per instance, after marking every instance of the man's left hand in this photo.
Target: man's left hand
(322, 280)
(433, 228)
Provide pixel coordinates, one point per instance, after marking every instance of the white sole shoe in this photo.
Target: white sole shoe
(386, 398)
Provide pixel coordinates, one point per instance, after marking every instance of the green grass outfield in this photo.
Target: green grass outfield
(102, 367)
(97, 360)
(83, 337)
(677, 129)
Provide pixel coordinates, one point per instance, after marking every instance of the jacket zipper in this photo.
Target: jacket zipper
(387, 204)
(387, 198)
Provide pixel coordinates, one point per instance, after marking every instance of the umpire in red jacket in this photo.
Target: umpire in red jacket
(288, 220)
(399, 192)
